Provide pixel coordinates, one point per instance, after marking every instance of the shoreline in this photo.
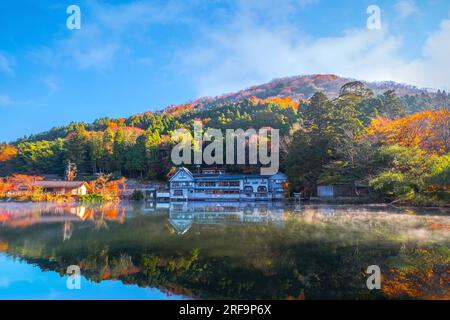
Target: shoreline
(314, 202)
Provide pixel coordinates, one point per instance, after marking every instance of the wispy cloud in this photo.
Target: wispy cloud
(5, 65)
(140, 14)
(5, 100)
(268, 12)
(433, 69)
(85, 48)
(406, 8)
(51, 82)
(258, 41)
(249, 52)
(103, 37)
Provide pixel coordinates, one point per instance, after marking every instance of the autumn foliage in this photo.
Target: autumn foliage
(177, 110)
(7, 152)
(286, 102)
(427, 130)
(18, 183)
(27, 181)
(427, 276)
(105, 187)
(5, 187)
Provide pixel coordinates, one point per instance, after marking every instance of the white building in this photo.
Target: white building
(216, 185)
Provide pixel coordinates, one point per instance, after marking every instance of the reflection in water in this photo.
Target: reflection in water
(183, 215)
(236, 250)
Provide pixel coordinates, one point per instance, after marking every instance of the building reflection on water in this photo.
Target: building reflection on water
(20, 215)
(183, 215)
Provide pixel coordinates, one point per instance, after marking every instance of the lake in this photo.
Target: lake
(222, 251)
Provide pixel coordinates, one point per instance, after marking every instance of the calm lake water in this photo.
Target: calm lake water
(223, 251)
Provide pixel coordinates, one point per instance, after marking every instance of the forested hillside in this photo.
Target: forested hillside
(397, 143)
(304, 87)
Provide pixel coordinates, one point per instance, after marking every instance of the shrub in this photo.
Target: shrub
(390, 184)
(38, 195)
(92, 197)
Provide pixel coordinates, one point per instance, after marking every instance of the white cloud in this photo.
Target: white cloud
(248, 53)
(406, 8)
(52, 83)
(253, 46)
(85, 48)
(433, 69)
(255, 55)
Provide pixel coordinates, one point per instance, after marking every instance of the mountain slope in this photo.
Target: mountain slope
(298, 88)
(303, 87)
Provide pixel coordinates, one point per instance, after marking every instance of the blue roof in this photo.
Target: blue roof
(228, 176)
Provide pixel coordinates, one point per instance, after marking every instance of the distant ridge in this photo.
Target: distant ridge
(304, 86)
(297, 88)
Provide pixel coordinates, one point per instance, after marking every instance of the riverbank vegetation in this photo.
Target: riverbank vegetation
(384, 142)
(22, 188)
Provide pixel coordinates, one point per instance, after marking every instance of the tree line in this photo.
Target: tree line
(357, 137)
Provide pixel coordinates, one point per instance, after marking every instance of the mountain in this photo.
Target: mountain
(304, 87)
(322, 137)
(290, 91)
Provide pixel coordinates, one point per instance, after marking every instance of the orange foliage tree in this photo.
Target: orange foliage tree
(110, 188)
(177, 110)
(7, 152)
(285, 102)
(16, 181)
(424, 276)
(23, 179)
(5, 187)
(427, 130)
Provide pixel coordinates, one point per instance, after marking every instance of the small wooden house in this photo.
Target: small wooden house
(74, 188)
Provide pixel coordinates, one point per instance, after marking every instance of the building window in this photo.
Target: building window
(178, 193)
(181, 184)
(229, 183)
(206, 184)
(248, 190)
(262, 189)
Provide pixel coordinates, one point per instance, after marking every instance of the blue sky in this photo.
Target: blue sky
(133, 56)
